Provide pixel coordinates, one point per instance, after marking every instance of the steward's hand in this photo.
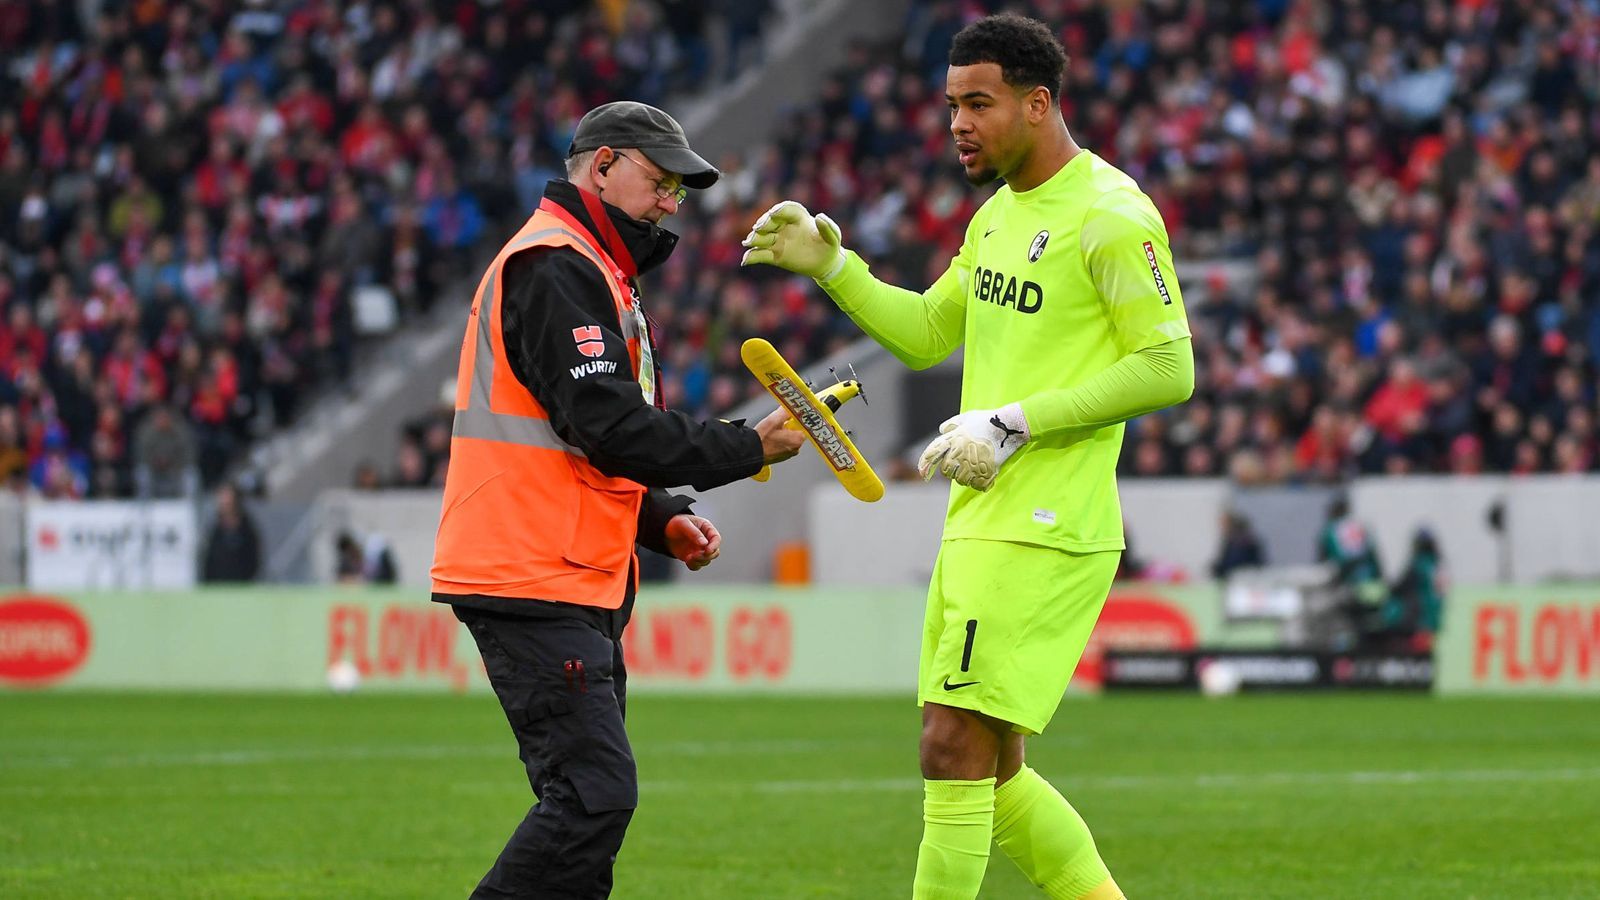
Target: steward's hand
(693, 540)
(777, 442)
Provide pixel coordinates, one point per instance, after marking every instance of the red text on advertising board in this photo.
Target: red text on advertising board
(760, 642)
(670, 643)
(1560, 641)
(681, 643)
(407, 641)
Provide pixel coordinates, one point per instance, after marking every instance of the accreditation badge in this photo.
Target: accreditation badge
(647, 358)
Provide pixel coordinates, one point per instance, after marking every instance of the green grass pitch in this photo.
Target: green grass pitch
(411, 796)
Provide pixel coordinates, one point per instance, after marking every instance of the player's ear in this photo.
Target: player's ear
(1039, 102)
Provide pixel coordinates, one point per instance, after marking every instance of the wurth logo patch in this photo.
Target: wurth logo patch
(590, 368)
(1161, 283)
(590, 341)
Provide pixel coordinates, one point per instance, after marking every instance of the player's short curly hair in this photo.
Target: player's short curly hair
(1027, 53)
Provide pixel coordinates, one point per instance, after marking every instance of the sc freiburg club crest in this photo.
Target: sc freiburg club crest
(1036, 249)
(589, 340)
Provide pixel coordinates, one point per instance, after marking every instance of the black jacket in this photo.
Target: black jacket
(233, 553)
(600, 409)
(550, 297)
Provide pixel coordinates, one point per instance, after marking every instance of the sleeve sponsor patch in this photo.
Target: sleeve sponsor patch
(590, 340)
(593, 367)
(1161, 283)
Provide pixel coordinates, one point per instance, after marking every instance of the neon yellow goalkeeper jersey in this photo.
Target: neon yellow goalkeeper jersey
(1051, 286)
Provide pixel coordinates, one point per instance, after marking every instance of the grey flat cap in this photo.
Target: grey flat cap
(626, 124)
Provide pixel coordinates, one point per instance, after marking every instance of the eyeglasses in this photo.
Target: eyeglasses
(664, 186)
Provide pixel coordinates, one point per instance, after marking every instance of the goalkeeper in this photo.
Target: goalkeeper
(1065, 297)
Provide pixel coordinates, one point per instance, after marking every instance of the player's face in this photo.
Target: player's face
(989, 122)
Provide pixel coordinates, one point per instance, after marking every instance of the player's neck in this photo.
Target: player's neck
(1053, 151)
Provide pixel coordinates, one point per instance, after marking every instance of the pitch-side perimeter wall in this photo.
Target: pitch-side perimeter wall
(718, 639)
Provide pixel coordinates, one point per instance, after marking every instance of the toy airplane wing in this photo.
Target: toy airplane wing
(833, 397)
(814, 416)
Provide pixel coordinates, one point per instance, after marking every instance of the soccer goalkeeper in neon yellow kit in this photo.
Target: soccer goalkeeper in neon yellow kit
(1065, 297)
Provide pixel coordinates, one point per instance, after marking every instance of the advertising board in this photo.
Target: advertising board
(112, 544)
(716, 639)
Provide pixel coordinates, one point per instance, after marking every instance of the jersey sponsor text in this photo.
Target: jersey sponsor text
(1003, 290)
(1161, 283)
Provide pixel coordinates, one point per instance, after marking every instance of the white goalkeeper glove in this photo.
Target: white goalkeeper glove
(971, 447)
(789, 237)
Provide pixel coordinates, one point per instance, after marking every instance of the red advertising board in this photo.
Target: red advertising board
(693, 643)
(42, 639)
(1134, 622)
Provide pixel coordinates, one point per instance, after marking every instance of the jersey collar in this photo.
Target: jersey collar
(1075, 167)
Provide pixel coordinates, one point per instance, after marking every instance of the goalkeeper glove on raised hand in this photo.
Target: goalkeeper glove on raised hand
(789, 237)
(971, 447)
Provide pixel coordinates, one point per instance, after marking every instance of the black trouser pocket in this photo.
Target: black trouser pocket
(581, 737)
(554, 678)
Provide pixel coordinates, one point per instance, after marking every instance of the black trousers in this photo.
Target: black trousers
(563, 686)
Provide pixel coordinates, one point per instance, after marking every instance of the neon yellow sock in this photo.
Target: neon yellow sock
(958, 818)
(1048, 840)
(1107, 890)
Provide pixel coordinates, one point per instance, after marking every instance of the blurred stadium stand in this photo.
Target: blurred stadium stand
(255, 199)
(211, 208)
(1385, 218)
(1384, 215)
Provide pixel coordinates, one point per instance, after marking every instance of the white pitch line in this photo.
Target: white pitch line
(262, 756)
(164, 788)
(910, 785)
(1107, 782)
(762, 747)
(248, 757)
(1164, 782)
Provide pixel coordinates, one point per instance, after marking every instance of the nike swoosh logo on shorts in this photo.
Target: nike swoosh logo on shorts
(952, 687)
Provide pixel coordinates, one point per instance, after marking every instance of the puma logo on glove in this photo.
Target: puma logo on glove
(1009, 432)
(972, 446)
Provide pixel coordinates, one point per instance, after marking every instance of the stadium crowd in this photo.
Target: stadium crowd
(1414, 186)
(192, 194)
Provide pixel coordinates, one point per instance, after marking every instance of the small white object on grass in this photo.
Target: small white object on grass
(343, 677)
(1219, 678)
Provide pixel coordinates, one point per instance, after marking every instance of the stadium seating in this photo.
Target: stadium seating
(1416, 197)
(192, 195)
(1411, 186)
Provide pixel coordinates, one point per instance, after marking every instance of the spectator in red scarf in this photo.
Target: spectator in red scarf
(135, 373)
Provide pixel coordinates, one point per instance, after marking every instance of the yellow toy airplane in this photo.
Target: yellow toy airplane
(833, 396)
(814, 414)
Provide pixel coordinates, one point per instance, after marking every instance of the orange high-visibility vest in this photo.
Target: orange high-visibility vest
(525, 514)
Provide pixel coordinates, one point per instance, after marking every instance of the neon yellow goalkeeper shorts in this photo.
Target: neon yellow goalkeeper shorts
(1006, 625)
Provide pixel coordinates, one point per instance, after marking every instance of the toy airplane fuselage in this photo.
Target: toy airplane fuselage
(813, 413)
